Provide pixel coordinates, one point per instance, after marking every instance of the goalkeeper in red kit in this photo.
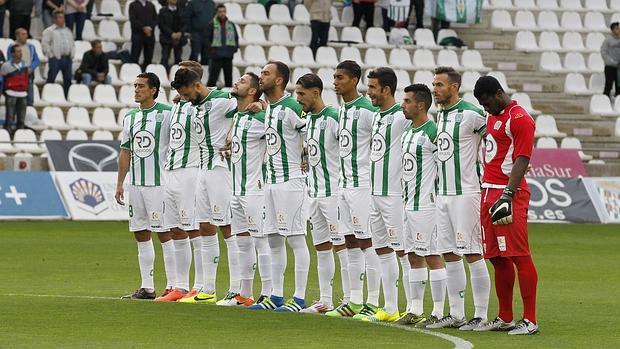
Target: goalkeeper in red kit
(504, 204)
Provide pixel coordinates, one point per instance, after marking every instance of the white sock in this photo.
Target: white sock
(146, 259)
(417, 284)
(210, 260)
(278, 263)
(405, 268)
(183, 259)
(302, 264)
(457, 282)
(264, 264)
(326, 268)
(233, 264)
(199, 277)
(438, 291)
(169, 264)
(356, 274)
(389, 278)
(480, 287)
(247, 259)
(373, 275)
(343, 257)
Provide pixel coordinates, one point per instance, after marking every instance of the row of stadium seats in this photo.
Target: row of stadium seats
(575, 84)
(26, 140)
(566, 143)
(525, 41)
(553, 5)
(574, 62)
(548, 20)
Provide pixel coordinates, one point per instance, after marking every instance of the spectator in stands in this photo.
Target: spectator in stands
(2, 13)
(320, 17)
(16, 81)
(366, 9)
(49, 6)
(223, 41)
(57, 45)
(94, 66)
(384, 5)
(19, 15)
(29, 57)
(171, 35)
(198, 15)
(419, 13)
(2, 60)
(610, 50)
(143, 18)
(75, 15)
(268, 3)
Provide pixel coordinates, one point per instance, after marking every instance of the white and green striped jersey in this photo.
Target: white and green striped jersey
(323, 159)
(386, 153)
(284, 132)
(247, 153)
(460, 129)
(419, 166)
(355, 127)
(183, 148)
(214, 119)
(145, 135)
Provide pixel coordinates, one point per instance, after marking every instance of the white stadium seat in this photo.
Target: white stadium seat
(424, 77)
(333, 35)
(50, 135)
(279, 13)
(327, 76)
(448, 58)
(548, 20)
(574, 143)
(128, 72)
(595, 21)
(402, 79)
(575, 84)
(549, 41)
(79, 48)
(126, 96)
(234, 12)
(375, 57)
(546, 143)
(347, 16)
(109, 31)
(78, 118)
(54, 95)
(597, 5)
(614, 5)
(279, 53)
(80, 95)
(326, 57)
(526, 41)
(113, 74)
(501, 4)
(253, 34)
(102, 135)
(424, 38)
(301, 15)
(110, 7)
(445, 33)
(255, 13)
(468, 80)
(524, 20)
(302, 34)
(5, 142)
(423, 59)
(302, 57)
(279, 35)
(103, 119)
(88, 33)
(601, 105)
(524, 100)
(547, 127)
(400, 59)
(571, 5)
(574, 62)
(571, 21)
(596, 83)
(330, 98)
(594, 41)
(595, 62)
(25, 140)
(500, 19)
(571, 41)
(299, 72)
(254, 55)
(54, 118)
(375, 37)
(351, 53)
(472, 60)
(105, 95)
(547, 4)
(351, 35)
(76, 135)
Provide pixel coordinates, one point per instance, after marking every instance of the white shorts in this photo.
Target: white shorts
(248, 213)
(323, 217)
(284, 208)
(421, 232)
(181, 199)
(386, 222)
(146, 208)
(354, 211)
(214, 191)
(458, 224)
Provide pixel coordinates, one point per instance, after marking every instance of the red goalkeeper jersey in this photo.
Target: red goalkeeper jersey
(509, 135)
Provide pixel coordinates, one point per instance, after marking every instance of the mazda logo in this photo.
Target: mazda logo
(95, 157)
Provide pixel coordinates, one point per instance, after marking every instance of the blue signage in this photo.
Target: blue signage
(29, 195)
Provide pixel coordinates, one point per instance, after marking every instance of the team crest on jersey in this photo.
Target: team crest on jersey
(459, 117)
(497, 125)
(323, 124)
(389, 119)
(247, 124)
(208, 106)
(159, 117)
(281, 114)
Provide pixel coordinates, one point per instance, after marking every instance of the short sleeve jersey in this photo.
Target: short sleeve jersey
(386, 152)
(419, 166)
(509, 135)
(355, 128)
(460, 129)
(284, 134)
(247, 153)
(214, 119)
(145, 135)
(322, 145)
(184, 148)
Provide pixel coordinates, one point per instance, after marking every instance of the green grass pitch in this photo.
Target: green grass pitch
(48, 269)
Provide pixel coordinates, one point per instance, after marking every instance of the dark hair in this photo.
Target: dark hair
(58, 11)
(219, 6)
(386, 77)
(254, 83)
(487, 86)
(95, 42)
(283, 71)
(193, 66)
(310, 80)
(421, 93)
(614, 25)
(152, 80)
(184, 77)
(453, 75)
(352, 68)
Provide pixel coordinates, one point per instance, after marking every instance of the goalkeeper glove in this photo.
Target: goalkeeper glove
(501, 211)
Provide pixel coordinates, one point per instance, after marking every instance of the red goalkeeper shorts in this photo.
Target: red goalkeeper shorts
(507, 240)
